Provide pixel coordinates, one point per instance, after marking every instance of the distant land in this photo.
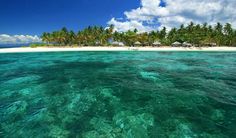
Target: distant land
(13, 45)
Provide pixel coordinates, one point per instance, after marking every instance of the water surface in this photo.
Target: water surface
(118, 94)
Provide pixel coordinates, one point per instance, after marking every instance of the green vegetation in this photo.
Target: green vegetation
(194, 34)
(38, 45)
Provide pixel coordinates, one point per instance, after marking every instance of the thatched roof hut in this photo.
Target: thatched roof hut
(186, 44)
(137, 43)
(116, 43)
(176, 44)
(121, 44)
(145, 44)
(97, 43)
(212, 44)
(156, 43)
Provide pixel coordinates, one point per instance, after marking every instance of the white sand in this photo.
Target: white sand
(47, 49)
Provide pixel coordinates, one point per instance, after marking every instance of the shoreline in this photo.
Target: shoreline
(71, 49)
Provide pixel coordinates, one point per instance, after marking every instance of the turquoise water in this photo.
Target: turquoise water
(118, 94)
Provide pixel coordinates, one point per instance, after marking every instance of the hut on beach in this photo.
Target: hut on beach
(156, 43)
(186, 44)
(121, 44)
(116, 43)
(137, 43)
(145, 44)
(176, 44)
(212, 44)
(97, 43)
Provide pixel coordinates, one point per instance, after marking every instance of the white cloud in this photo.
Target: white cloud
(128, 25)
(151, 15)
(18, 39)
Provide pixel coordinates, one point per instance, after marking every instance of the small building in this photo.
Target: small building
(97, 43)
(145, 44)
(121, 44)
(176, 44)
(137, 43)
(212, 44)
(116, 43)
(186, 44)
(156, 43)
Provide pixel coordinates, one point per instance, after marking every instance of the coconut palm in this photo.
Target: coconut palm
(228, 31)
(192, 33)
(46, 37)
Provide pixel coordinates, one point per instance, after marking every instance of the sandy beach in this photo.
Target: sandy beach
(65, 49)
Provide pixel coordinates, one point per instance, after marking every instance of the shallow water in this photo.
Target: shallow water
(118, 94)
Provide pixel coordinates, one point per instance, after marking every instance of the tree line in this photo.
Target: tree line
(195, 34)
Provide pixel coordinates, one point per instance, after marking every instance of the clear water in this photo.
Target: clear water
(118, 94)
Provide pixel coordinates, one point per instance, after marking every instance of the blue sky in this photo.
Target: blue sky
(32, 17)
(23, 21)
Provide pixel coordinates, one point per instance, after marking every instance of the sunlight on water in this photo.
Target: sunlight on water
(118, 94)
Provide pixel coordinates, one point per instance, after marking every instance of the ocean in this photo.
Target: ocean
(118, 94)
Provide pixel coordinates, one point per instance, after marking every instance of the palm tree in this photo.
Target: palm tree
(153, 36)
(130, 37)
(172, 36)
(228, 31)
(234, 38)
(71, 38)
(64, 36)
(163, 33)
(143, 38)
(218, 33)
(46, 37)
(192, 33)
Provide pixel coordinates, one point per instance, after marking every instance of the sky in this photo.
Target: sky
(23, 21)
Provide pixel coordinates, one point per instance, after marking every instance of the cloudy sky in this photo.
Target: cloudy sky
(22, 21)
(154, 14)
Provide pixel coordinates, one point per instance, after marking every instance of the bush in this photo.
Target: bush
(37, 45)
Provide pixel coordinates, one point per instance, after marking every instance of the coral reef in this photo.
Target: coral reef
(118, 95)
